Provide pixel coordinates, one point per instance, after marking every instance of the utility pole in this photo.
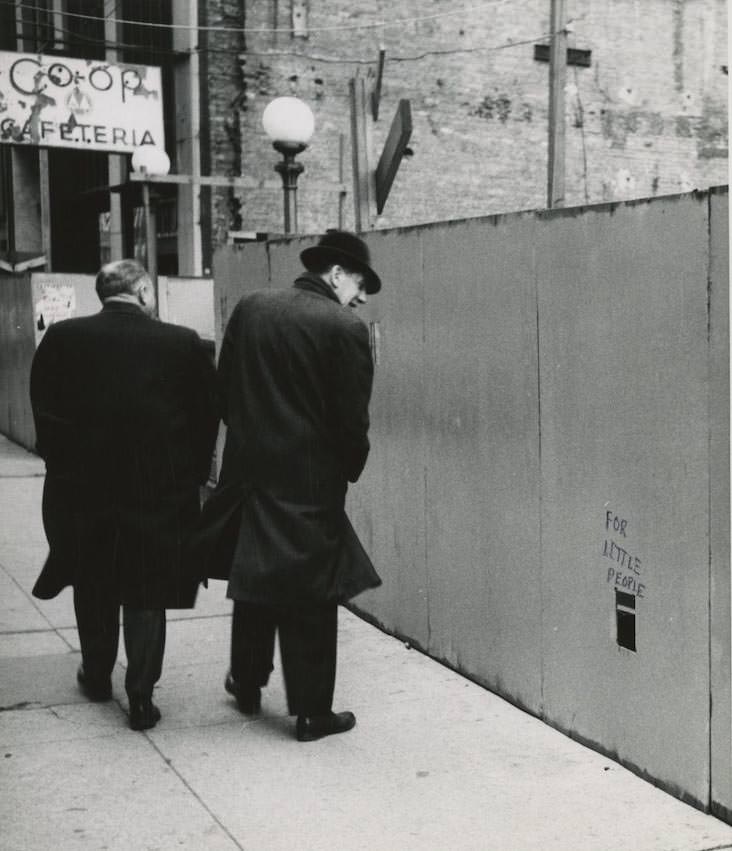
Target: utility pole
(151, 241)
(188, 135)
(557, 82)
(116, 163)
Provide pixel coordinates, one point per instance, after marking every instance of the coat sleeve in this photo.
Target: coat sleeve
(54, 428)
(223, 372)
(203, 413)
(354, 374)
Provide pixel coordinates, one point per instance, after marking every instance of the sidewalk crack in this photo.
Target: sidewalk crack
(24, 704)
(30, 599)
(204, 805)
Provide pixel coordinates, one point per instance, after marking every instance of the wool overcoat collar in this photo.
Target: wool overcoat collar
(315, 284)
(112, 306)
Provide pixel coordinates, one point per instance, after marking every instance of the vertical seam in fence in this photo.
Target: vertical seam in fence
(710, 425)
(425, 443)
(540, 477)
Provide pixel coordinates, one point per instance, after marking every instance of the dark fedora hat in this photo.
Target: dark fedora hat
(344, 248)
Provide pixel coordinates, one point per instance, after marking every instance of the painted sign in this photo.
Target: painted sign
(85, 104)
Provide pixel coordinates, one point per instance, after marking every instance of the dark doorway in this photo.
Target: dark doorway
(76, 181)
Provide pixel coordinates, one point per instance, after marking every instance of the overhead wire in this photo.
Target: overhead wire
(176, 53)
(383, 24)
(118, 45)
(390, 58)
(173, 53)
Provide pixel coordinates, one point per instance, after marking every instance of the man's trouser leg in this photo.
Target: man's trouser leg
(308, 643)
(97, 619)
(252, 644)
(144, 633)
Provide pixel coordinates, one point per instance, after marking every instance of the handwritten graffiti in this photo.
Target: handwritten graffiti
(613, 551)
(612, 521)
(626, 570)
(625, 581)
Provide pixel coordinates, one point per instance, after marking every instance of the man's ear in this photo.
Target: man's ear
(145, 294)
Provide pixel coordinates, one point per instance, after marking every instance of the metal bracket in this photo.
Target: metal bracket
(583, 58)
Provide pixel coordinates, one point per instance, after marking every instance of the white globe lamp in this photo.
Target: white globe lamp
(289, 123)
(150, 160)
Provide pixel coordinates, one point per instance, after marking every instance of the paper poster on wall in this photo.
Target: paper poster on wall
(55, 303)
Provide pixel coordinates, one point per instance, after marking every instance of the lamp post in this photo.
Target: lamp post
(150, 161)
(289, 123)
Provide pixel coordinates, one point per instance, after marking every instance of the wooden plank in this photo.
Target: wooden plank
(188, 179)
(45, 198)
(360, 154)
(206, 180)
(557, 83)
(376, 94)
(399, 134)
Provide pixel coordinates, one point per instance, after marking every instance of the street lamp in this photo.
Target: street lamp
(150, 161)
(289, 123)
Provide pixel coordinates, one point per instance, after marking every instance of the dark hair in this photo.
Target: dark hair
(118, 277)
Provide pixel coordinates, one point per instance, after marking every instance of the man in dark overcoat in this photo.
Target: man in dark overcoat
(295, 374)
(125, 414)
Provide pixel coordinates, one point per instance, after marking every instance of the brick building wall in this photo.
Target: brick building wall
(222, 97)
(648, 117)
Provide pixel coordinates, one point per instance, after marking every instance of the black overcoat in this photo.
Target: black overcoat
(125, 414)
(295, 376)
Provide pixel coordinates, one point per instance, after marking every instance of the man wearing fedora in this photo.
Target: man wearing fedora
(295, 375)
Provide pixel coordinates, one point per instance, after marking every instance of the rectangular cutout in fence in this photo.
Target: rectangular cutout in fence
(625, 620)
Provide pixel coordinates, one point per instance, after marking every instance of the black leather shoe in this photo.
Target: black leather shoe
(97, 692)
(249, 700)
(312, 727)
(144, 715)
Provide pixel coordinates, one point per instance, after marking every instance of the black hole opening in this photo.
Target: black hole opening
(623, 599)
(625, 620)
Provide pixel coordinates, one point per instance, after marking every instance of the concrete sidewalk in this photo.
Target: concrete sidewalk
(435, 762)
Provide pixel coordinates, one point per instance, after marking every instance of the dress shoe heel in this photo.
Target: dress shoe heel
(249, 700)
(94, 691)
(312, 727)
(144, 715)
